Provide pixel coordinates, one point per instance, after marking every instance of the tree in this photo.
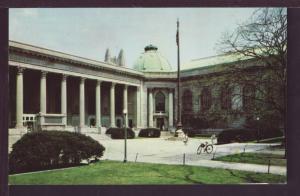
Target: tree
(260, 45)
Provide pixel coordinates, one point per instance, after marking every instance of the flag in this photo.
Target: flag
(177, 38)
(177, 34)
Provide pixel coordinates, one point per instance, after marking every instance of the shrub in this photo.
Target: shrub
(236, 135)
(51, 149)
(149, 132)
(266, 127)
(119, 133)
(189, 131)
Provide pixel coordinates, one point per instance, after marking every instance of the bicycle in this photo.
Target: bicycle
(208, 148)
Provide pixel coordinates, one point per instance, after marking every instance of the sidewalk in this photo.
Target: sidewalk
(160, 150)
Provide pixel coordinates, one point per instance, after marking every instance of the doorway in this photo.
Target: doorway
(160, 123)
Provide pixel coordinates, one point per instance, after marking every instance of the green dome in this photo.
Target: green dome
(152, 61)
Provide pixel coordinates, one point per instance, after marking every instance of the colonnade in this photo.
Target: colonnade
(43, 99)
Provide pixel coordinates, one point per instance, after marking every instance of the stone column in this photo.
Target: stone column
(43, 95)
(64, 98)
(138, 107)
(19, 98)
(125, 102)
(81, 104)
(112, 105)
(150, 108)
(98, 105)
(170, 108)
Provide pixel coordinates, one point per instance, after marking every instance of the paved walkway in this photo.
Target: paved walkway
(161, 150)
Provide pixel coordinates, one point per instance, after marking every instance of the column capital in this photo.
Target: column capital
(99, 81)
(113, 84)
(150, 90)
(20, 70)
(44, 73)
(82, 79)
(171, 90)
(125, 86)
(64, 76)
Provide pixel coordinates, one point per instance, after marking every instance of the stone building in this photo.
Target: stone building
(50, 90)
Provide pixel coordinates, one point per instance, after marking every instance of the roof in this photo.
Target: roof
(213, 60)
(71, 58)
(152, 61)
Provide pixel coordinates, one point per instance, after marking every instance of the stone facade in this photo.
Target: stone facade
(52, 90)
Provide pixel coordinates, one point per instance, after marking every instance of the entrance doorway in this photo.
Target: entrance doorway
(160, 123)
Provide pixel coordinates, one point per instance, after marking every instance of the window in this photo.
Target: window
(187, 101)
(225, 97)
(248, 97)
(160, 102)
(206, 99)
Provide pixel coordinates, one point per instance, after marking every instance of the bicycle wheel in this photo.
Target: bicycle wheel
(199, 150)
(209, 148)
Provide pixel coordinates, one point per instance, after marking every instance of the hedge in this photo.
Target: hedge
(243, 135)
(189, 131)
(119, 133)
(52, 149)
(149, 132)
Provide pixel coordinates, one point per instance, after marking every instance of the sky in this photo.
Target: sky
(88, 32)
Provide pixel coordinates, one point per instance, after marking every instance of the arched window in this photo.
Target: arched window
(187, 101)
(226, 96)
(248, 97)
(159, 102)
(206, 99)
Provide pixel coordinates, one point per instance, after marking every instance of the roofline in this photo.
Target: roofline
(72, 57)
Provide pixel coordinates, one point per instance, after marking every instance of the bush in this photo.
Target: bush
(119, 133)
(236, 135)
(51, 149)
(149, 132)
(189, 131)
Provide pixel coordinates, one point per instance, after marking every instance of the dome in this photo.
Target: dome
(152, 61)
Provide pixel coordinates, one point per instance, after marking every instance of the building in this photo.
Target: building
(50, 90)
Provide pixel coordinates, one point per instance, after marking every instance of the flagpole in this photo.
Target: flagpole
(179, 125)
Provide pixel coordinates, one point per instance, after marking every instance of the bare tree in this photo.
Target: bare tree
(260, 44)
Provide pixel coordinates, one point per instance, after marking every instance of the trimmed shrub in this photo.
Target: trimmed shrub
(236, 135)
(119, 133)
(52, 149)
(149, 132)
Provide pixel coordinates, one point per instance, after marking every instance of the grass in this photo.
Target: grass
(201, 137)
(255, 158)
(112, 172)
(268, 140)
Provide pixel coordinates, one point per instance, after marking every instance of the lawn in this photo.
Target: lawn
(112, 172)
(256, 158)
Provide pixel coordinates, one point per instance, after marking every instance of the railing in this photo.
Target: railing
(160, 113)
(29, 121)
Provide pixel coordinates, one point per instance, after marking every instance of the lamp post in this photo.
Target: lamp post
(258, 127)
(179, 125)
(125, 137)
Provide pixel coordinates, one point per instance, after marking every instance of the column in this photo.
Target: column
(98, 104)
(81, 103)
(112, 105)
(138, 107)
(171, 108)
(64, 98)
(43, 95)
(125, 102)
(150, 108)
(19, 99)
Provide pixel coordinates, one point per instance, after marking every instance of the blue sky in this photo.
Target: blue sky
(89, 32)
